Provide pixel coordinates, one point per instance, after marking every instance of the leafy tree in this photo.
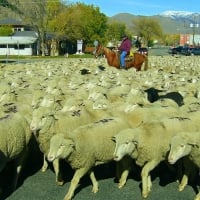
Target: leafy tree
(71, 21)
(147, 28)
(114, 31)
(35, 13)
(5, 31)
(80, 21)
(6, 4)
(171, 39)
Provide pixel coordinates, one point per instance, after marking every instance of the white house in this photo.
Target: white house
(23, 41)
(17, 45)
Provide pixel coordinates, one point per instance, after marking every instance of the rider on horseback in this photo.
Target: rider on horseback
(125, 48)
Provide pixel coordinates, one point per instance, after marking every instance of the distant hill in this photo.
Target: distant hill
(170, 21)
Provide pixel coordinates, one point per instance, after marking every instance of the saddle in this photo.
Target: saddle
(129, 56)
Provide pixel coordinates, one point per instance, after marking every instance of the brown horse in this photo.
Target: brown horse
(113, 59)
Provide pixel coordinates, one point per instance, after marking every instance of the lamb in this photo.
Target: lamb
(15, 136)
(86, 147)
(142, 144)
(185, 144)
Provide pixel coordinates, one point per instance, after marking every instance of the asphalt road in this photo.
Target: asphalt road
(162, 51)
(158, 51)
(36, 185)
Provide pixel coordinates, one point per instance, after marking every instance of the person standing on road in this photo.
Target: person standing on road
(95, 46)
(125, 48)
(138, 43)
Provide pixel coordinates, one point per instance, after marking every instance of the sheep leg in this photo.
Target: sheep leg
(18, 168)
(56, 166)
(182, 177)
(45, 164)
(123, 169)
(146, 179)
(125, 166)
(189, 172)
(79, 173)
(95, 187)
(183, 183)
(123, 179)
(16, 176)
(121, 176)
(197, 197)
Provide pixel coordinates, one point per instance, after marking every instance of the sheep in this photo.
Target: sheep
(142, 145)
(137, 115)
(44, 125)
(86, 147)
(15, 136)
(185, 144)
(71, 104)
(46, 122)
(41, 125)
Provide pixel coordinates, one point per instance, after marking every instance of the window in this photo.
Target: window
(20, 46)
(11, 46)
(18, 29)
(3, 46)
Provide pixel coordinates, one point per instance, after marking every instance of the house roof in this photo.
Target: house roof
(25, 34)
(17, 40)
(10, 21)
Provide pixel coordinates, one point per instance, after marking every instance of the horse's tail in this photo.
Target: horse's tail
(146, 62)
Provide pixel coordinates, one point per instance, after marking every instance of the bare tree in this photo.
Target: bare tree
(36, 14)
(70, 21)
(147, 28)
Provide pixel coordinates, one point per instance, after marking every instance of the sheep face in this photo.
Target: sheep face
(124, 144)
(41, 120)
(60, 147)
(35, 102)
(179, 148)
(47, 101)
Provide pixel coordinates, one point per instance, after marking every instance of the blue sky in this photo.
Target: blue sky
(142, 7)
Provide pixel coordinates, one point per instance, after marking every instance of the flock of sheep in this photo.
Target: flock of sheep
(88, 113)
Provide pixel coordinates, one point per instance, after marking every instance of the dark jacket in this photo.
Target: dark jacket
(125, 45)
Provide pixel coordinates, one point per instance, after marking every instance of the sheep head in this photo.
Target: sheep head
(124, 144)
(179, 147)
(60, 147)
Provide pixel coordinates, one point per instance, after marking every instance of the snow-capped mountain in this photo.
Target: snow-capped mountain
(176, 13)
(170, 21)
(181, 15)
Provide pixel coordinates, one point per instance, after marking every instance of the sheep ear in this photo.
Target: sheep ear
(193, 144)
(72, 144)
(58, 100)
(135, 142)
(113, 138)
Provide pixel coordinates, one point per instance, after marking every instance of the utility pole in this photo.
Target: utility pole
(194, 25)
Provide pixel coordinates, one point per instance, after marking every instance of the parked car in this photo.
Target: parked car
(175, 50)
(195, 51)
(186, 51)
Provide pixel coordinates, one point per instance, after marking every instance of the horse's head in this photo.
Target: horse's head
(99, 51)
